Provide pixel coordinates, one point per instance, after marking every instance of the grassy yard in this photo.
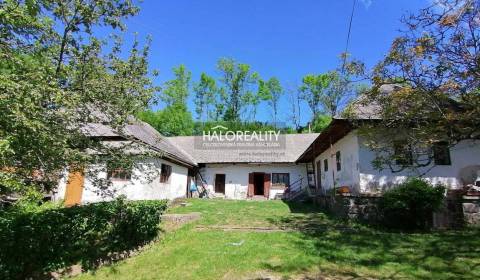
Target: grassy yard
(262, 239)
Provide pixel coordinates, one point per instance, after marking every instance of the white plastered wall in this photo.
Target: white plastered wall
(236, 176)
(348, 175)
(463, 155)
(144, 184)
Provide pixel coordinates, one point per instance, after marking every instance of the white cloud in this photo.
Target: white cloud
(366, 3)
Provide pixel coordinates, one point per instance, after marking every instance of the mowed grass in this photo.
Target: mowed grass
(311, 246)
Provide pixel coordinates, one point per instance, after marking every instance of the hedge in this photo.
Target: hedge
(35, 242)
(410, 205)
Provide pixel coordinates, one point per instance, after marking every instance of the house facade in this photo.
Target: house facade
(337, 157)
(250, 173)
(234, 174)
(164, 173)
(342, 158)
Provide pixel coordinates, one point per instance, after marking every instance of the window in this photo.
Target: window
(325, 164)
(119, 174)
(403, 154)
(281, 179)
(441, 153)
(338, 158)
(166, 171)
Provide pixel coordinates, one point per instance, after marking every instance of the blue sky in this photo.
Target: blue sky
(286, 38)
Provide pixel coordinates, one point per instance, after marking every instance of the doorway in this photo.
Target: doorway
(258, 184)
(74, 188)
(220, 183)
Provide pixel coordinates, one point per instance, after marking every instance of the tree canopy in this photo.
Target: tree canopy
(434, 68)
(55, 77)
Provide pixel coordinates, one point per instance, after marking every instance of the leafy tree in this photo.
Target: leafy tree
(433, 73)
(320, 123)
(312, 90)
(237, 80)
(206, 93)
(174, 120)
(56, 77)
(271, 90)
(176, 91)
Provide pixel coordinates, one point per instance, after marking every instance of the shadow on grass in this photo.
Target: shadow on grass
(352, 247)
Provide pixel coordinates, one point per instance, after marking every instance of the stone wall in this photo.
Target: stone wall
(457, 210)
(471, 210)
(362, 207)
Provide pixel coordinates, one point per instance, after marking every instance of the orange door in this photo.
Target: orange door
(74, 190)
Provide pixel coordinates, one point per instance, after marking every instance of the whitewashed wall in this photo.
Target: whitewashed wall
(145, 184)
(236, 176)
(464, 154)
(349, 173)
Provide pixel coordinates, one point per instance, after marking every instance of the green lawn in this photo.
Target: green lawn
(310, 247)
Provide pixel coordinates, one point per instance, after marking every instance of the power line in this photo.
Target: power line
(348, 36)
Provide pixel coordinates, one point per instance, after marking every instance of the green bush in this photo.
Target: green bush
(34, 242)
(410, 205)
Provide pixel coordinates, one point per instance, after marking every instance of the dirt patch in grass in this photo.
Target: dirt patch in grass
(243, 228)
(172, 222)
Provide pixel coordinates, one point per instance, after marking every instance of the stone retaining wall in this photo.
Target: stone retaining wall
(456, 211)
(471, 210)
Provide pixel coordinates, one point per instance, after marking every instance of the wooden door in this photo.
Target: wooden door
(266, 184)
(251, 187)
(220, 183)
(74, 189)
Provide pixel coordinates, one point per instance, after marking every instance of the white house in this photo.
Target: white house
(342, 159)
(250, 173)
(164, 176)
(236, 174)
(337, 157)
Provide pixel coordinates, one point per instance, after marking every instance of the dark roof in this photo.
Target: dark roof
(335, 131)
(145, 134)
(360, 110)
(295, 145)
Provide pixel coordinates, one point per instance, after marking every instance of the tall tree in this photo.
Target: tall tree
(433, 69)
(176, 91)
(205, 97)
(237, 80)
(55, 78)
(294, 100)
(312, 91)
(174, 120)
(271, 91)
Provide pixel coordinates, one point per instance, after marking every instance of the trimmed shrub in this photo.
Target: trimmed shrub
(35, 242)
(410, 205)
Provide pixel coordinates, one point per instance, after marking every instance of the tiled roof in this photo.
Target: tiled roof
(144, 133)
(295, 145)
